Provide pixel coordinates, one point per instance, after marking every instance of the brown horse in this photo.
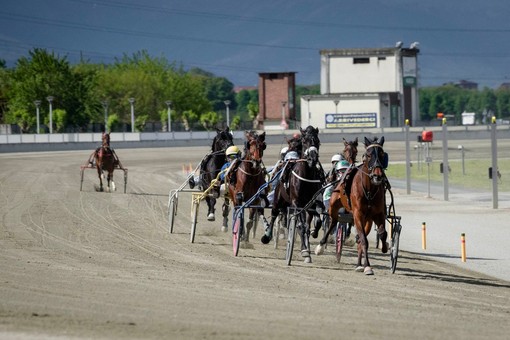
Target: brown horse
(350, 153)
(367, 201)
(106, 160)
(247, 176)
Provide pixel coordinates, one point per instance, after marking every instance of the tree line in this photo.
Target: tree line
(84, 91)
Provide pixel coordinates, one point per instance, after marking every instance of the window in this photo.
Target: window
(361, 60)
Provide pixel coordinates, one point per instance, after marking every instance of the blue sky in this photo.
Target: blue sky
(237, 39)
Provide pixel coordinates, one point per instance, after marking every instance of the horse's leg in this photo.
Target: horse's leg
(211, 202)
(363, 248)
(112, 183)
(225, 211)
(334, 207)
(100, 175)
(304, 231)
(381, 231)
(268, 235)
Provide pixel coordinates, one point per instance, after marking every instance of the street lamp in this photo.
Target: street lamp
(168, 104)
(336, 101)
(227, 104)
(461, 149)
(283, 123)
(132, 102)
(105, 106)
(37, 104)
(50, 100)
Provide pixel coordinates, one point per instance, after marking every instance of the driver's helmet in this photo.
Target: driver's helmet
(342, 165)
(283, 152)
(336, 158)
(232, 151)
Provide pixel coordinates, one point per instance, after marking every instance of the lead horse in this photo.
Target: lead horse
(247, 177)
(211, 166)
(366, 202)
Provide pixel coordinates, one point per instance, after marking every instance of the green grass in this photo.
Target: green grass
(476, 174)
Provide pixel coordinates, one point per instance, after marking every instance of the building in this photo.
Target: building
(277, 100)
(364, 87)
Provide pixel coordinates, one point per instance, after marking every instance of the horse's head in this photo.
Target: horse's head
(351, 150)
(255, 145)
(106, 140)
(222, 140)
(375, 160)
(311, 144)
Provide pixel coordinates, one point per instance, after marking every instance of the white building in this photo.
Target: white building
(366, 87)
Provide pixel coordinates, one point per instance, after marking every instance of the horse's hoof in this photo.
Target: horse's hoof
(210, 217)
(308, 259)
(359, 269)
(368, 271)
(319, 250)
(265, 239)
(224, 229)
(385, 247)
(315, 233)
(305, 253)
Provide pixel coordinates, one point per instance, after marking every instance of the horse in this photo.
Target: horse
(367, 200)
(349, 153)
(211, 166)
(299, 183)
(106, 160)
(247, 176)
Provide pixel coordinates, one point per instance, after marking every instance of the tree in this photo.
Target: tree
(40, 75)
(209, 120)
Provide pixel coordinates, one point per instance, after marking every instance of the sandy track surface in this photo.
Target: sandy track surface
(103, 265)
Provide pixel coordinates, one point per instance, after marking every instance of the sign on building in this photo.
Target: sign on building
(350, 120)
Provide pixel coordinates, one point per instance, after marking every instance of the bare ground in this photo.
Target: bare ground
(103, 265)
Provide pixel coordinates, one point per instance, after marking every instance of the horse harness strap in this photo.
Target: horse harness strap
(305, 179)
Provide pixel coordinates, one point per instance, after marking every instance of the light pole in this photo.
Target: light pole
(50, 100)
(168, 104)
(105, 106)
(37, 104)
(336, 101)
(461, 149)
(227, 104)
(284, 124)
(132, 102)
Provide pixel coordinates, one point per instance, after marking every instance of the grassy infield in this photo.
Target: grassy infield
(476, 173)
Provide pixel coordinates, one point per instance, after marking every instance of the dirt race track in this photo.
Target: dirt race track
(99, 265)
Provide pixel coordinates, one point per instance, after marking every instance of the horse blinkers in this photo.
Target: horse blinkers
(377, 161)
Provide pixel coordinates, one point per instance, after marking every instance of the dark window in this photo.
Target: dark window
(361, 60)
(381, 58)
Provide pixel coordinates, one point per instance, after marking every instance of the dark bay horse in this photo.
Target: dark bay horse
(106, 160)
(367, 201)
(211, 166)
(299, 183)
(250, 175)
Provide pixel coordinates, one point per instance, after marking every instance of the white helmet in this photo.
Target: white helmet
(284, 150)
(336, 158)
(342, 165)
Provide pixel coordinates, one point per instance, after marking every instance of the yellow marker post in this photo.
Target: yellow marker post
(423, 236)
(463, 246)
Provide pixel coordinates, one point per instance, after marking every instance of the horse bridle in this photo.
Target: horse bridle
(374, 162)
